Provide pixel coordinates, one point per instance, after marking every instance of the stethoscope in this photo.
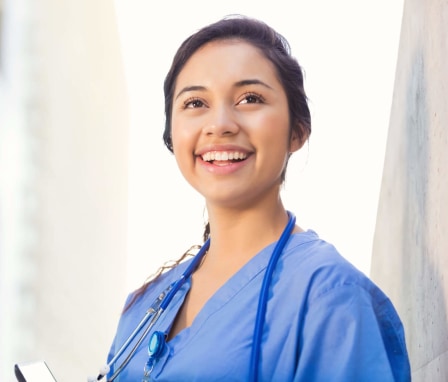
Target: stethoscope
(157, 340)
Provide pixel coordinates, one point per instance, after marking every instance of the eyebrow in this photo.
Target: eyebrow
(242, 83)
(238, 84)
(190, 89)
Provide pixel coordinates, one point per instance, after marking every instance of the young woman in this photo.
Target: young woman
(263, 300)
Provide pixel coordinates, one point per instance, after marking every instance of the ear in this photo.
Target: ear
(296, 142)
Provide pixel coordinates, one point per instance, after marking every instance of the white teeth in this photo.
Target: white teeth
(223, 156)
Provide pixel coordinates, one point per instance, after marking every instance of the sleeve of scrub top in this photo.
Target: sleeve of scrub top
(345, 338)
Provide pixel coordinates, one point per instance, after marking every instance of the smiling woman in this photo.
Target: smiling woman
(264, 299)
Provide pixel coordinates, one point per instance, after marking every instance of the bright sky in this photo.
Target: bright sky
(348, 50)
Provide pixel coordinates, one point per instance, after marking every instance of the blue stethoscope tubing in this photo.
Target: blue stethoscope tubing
(162, 302)
(263, 299)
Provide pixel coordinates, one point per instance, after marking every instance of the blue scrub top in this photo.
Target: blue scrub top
(325, 321)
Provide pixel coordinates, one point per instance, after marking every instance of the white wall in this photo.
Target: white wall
(411, 243)
(64, 169)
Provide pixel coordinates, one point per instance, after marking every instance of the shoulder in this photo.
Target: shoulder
(333, 290)
(345, 312)
(316, 266)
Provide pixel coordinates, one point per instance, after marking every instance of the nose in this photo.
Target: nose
(222, 121)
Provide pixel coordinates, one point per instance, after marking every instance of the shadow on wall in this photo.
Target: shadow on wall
(423, 293)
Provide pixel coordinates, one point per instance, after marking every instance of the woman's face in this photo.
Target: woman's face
(230, 124)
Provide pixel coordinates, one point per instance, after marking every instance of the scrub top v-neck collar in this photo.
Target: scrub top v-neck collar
(235, 285)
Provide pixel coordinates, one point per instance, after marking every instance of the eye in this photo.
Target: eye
(251, 98)
(193, 103)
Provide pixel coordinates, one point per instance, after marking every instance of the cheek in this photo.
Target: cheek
(183, 129)
(276, 130)
(183, 145)
(179, 135)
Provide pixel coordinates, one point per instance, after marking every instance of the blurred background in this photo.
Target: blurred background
(91, 202)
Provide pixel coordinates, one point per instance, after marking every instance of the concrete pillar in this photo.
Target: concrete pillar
(69, 248)
(410, 253)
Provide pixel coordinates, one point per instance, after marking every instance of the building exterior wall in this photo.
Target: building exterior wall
(64, 169)
(410, 253)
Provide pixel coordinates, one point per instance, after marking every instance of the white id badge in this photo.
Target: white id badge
(33, 372)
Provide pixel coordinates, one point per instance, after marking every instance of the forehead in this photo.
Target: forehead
(226, 58)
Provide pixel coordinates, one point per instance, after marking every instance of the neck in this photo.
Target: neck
(238, 235)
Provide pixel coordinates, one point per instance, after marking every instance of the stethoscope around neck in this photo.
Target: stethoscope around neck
(157, 339)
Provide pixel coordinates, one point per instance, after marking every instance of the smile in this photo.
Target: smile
(212, 156)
